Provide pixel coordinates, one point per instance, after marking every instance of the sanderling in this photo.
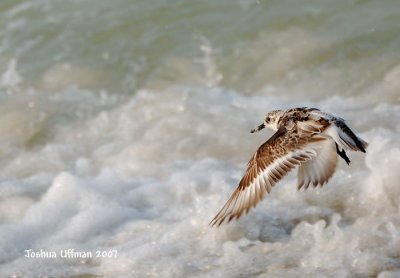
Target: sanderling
(304, 137)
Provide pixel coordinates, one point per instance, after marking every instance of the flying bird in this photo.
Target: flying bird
(306, 138)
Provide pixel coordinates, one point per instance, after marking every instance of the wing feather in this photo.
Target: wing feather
(320, 169)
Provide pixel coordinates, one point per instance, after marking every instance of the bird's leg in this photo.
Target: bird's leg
(342, 154)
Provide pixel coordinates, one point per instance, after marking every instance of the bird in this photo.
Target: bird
(304, 137)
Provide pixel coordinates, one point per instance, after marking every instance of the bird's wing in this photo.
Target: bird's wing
(320, 169)
(271, 162)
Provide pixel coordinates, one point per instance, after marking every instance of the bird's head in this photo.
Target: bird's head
(270, 120)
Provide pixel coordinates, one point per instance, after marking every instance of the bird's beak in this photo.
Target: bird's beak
(261, 126)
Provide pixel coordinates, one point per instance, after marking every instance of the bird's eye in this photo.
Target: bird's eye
(267, 119)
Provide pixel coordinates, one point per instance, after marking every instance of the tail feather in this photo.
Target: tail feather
(361, 144)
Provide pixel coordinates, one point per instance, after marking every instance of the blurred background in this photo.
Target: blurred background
(124, 125)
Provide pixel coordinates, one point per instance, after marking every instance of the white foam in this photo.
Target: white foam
(151, 196)
(10, 79)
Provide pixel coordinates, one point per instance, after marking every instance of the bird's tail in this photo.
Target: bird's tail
(345, 137)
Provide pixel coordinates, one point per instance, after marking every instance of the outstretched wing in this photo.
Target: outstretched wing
(271, 162)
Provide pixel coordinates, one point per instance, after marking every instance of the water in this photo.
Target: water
(124, 127)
